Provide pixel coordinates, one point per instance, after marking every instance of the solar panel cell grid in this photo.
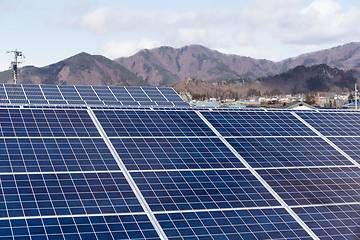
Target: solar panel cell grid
(46, 123)
(170, 94)
(14, 91)
(2, 92)
(19, 101)
(39, 102)
(154, 94)
(307, 186)
(104, 94)
(257, 123)
(87, 93)
(51, 92)
(55, 154)
(332, 222)
(240, 224)
(287, 152)
(66, 194)
(33, 91)
(350, 145)
(333, 123)
(174, 153)
(208, 189)
(77, 228)
(129, 123)
(69, 92)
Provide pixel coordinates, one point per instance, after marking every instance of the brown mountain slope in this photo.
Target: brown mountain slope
(317, 78)
(164, 65)
(344, 57)
(81, 69)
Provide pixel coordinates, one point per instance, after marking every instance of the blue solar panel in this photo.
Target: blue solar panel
(2, 92)
(170, 94)
(147, 104)
(287, 152)
(121, 93)
(174, 153)
(79, 228)
(66, 194)
(232, 224)
(51, 92)
(39, 102)
(138, 94)
(19, 101)
(332, 221)
(112, 103)
(55, 154)
(134, 123)
(33, 91)
(57, 102)
(87, 93)
(208, 189)
(154, 94)
(14, 91)
(76, 102)
(165, 104)
(129, 103)
(104, 93)
(350, 145)
(146, 167)
(69, 93)
(333, 123)
(46, 123)
(257, 123)
(307, 186)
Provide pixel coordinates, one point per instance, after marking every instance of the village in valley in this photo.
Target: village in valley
(305, 101)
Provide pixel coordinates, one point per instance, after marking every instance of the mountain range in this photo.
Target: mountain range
(166, 65)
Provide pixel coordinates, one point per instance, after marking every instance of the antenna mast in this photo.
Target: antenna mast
(14, 64)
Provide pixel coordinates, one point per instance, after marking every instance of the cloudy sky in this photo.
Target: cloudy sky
(50, 31)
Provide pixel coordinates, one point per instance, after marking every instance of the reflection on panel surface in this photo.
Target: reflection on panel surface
(287, 152)
(210, 189)
(257, 123)
(232, 224)
(175, 153)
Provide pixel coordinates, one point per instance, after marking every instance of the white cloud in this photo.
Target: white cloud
(108, 20)
(256, 28)
(322, 9)
(115, 49)
(321, 22)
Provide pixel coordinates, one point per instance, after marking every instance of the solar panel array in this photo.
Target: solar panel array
(82, 171)
(89, 95)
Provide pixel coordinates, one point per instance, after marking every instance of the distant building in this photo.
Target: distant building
(299, 105)
(351, 105)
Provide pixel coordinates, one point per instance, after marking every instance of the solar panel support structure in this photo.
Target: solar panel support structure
(128, 177)
(262, 181)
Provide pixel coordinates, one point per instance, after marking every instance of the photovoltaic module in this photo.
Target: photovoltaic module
(99, 162)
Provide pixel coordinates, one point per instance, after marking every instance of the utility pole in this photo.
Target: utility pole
(356, 97)
(14, 64)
